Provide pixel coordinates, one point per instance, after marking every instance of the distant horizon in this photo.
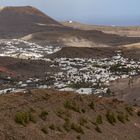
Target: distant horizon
(92, 12)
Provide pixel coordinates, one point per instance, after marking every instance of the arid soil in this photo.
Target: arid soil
(81, 38)
(131, 31)
(24, 69)
(84, 52)
(49, 114)
(97, 52)
(127, 90)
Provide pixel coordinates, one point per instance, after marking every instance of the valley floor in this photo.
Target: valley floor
(25, 66)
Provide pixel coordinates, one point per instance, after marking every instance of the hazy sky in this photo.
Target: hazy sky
(105, 12)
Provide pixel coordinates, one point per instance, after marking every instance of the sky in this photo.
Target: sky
(99, 12)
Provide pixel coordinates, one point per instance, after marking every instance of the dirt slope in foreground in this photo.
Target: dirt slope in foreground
(51, 115)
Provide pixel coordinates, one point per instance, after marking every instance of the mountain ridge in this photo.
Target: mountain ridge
(29, 23)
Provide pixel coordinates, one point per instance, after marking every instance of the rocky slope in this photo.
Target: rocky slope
(47, 114)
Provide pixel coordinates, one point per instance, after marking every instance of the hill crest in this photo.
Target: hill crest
(23, 20)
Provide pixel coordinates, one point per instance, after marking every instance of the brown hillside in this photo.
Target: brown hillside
(131, 31)
(81, 38)
(52, 115)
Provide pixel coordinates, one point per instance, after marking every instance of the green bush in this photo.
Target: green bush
(127, 117)
(52, 127)
(63, 114)
(138, 113)
(77, 128)
(129, 110)
(24, 118)
(99, 119)
(32, 117)
(67, 125)
(97, 128)
(45, 130)
(94, 123)
(109, 91)
(121, 117)
(83, 121)
(83, 110)
(111, 117)
(92, 105)
(44, 115)
(72, 106)
(81, 84)
(119, 68)
(59, 129)
(78, 137)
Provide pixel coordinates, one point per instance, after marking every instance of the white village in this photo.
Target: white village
(80, 75)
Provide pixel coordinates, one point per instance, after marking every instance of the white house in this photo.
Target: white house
(85, 90)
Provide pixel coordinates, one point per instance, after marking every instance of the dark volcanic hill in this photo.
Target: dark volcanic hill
(20, 21)
(30, 23)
